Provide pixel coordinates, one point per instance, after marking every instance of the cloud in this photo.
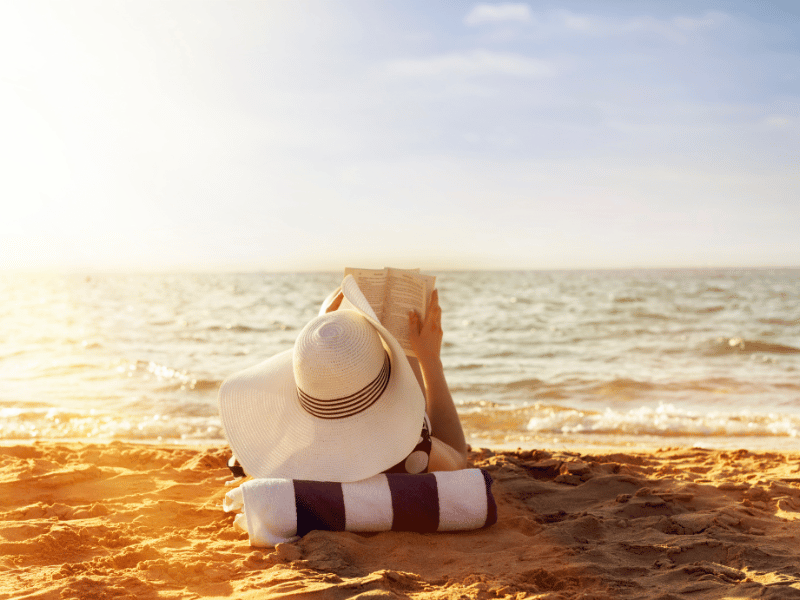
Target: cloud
(549, 23)
(494, 13)
(604, 26)
(476, 63)
(677, 29)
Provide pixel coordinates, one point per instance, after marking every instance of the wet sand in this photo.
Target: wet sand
(136, 521)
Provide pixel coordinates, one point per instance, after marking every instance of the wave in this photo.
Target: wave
(639, 314)
(700, 310)
(664, 420)
(628, 299)
(195, 385)
(525, 384)
(501, 354)
(710, 309)
(625, 389)
(623, 385)
(53, 370)
(725, 346)
(240, 328)
(467, 367)
(776, 321)
(29, 425)
(171, 380)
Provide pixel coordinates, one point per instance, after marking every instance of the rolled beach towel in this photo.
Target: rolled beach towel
(282, 510)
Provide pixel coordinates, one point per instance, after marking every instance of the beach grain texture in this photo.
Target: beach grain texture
(121, 520)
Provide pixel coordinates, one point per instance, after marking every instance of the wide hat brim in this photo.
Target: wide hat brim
(272, 435)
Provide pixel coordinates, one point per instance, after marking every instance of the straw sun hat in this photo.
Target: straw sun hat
(343, 405)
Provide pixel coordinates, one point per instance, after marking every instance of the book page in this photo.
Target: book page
(372, 283)
(406, 291)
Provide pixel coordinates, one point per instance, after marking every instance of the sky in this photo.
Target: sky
(314, 135)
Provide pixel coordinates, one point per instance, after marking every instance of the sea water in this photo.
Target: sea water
(569, 359)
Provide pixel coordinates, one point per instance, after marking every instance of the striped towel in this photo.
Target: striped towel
(281, 510)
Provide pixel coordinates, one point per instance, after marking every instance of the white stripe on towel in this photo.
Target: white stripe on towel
(368, 504)
(462, 499)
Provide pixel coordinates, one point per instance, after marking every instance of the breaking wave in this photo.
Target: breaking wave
(664, 420)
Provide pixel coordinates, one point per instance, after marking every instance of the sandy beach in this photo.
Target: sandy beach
(123, 520)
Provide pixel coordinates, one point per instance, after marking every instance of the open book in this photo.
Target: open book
(392, 293)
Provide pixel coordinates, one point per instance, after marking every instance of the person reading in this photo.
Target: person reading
(347, 403)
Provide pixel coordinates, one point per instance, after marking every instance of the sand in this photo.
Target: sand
(134, 521)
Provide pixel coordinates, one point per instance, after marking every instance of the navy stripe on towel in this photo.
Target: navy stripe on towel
(320, 505)
(415, 502)
(491, 506)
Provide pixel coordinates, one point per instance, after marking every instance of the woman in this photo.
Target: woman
(345, 403)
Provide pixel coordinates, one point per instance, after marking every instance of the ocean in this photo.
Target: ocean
(535, 359)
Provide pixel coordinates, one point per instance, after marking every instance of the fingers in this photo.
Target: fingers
(432, 320)
(434, 316)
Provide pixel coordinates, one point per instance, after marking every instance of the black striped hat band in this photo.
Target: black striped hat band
(341, 408)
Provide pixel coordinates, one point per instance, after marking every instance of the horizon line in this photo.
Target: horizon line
(89, 271)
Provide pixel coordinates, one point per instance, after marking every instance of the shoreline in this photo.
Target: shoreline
(581, 443)
(140, 520)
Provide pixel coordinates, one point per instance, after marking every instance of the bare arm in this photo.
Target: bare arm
(426, 340)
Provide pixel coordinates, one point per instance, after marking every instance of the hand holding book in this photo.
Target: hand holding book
(392, 294)
(425, 334)
(407, 304)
